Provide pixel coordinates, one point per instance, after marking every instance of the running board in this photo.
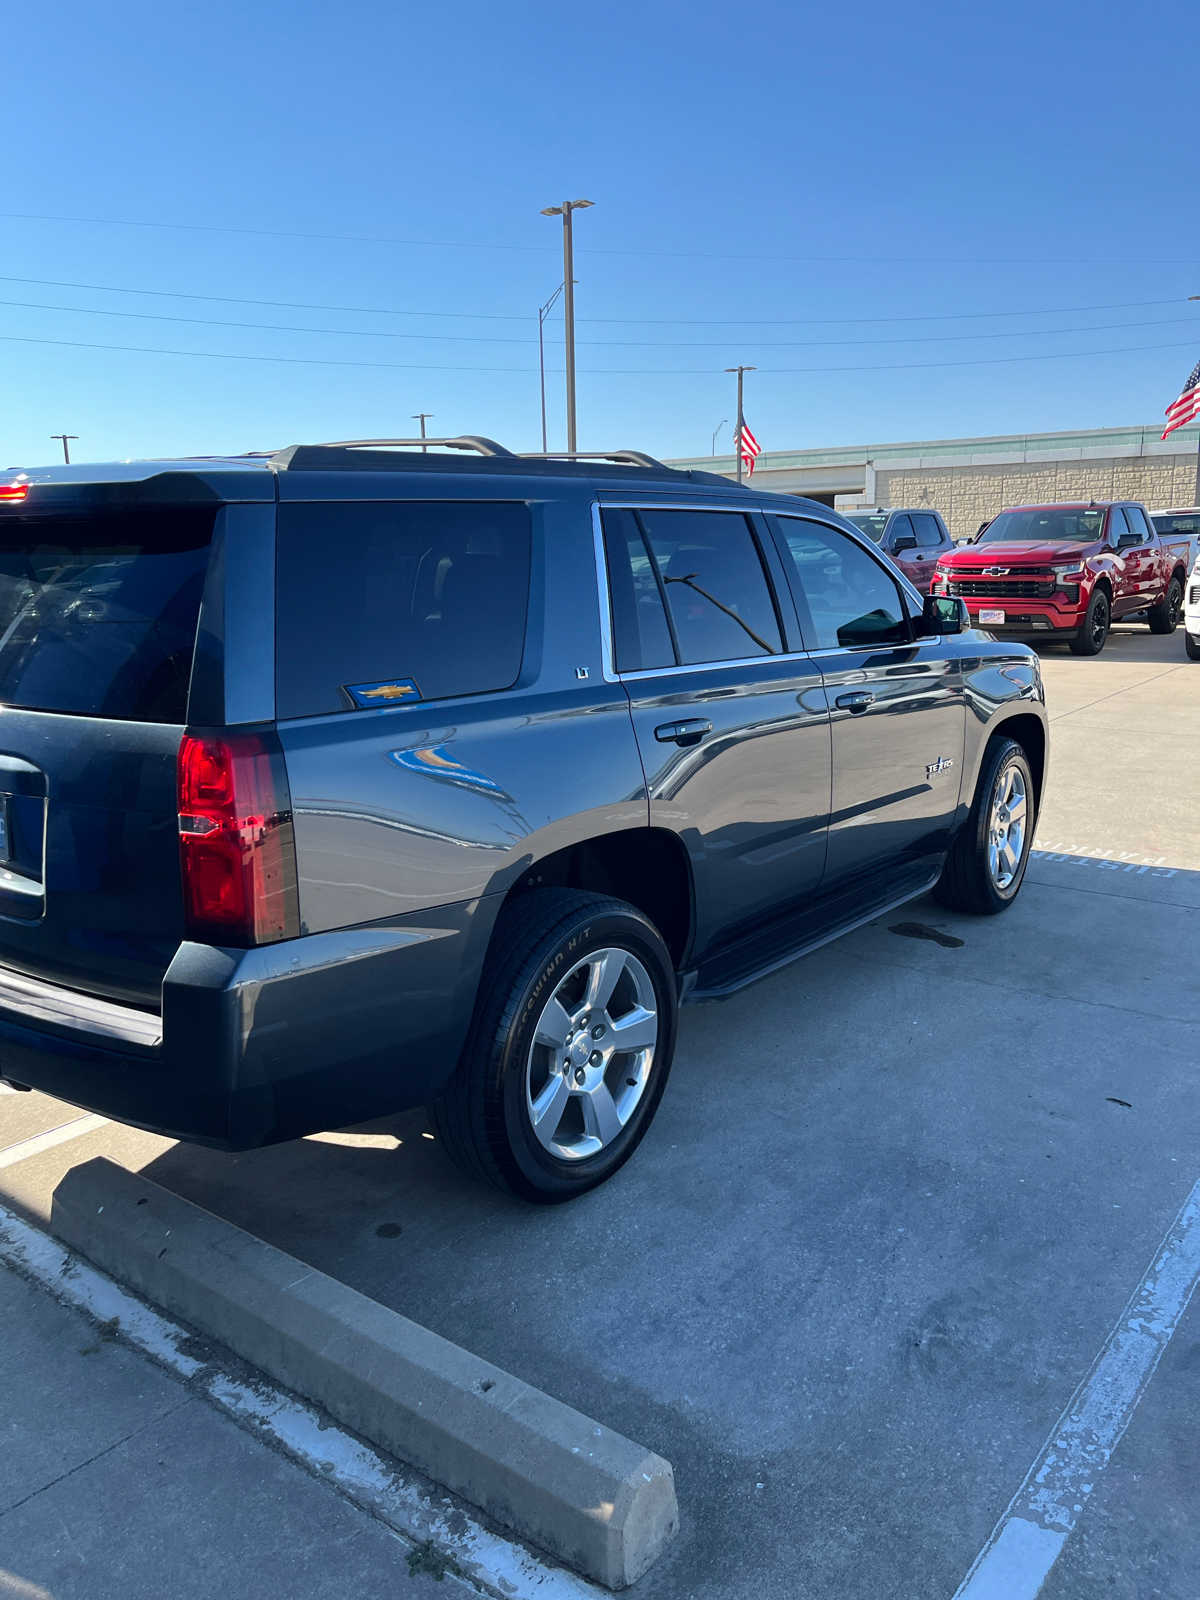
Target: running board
(788, 939)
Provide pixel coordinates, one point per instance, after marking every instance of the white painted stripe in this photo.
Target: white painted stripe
(373, 1481)
(34, 1146)
(1030, 1536)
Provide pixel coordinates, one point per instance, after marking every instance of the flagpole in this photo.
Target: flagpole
(737, 437)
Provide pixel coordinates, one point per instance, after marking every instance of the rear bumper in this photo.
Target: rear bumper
(261, 1045)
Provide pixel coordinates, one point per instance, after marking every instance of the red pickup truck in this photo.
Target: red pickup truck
(1067, 572)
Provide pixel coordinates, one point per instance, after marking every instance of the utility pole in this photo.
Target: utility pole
(419, 416)
(565, 210)
(737, 436)
(64, 437)
(543, 313)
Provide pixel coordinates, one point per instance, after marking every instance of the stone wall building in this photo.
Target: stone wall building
(970, 480)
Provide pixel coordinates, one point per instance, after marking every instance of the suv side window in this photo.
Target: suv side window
(376, 593)
(851, 600)
(1136, 519)
(641, 635)
(711, 570)
(928, 530)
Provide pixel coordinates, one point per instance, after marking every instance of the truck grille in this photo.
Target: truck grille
(1002, 588)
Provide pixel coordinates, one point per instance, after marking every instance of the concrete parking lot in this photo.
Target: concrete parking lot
(892, 1205)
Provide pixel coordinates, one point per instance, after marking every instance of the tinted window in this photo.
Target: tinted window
(851, 600)
(641, 637)
(379, 594)
(928, 530)
(98, 614)
(872, 526)
(1178, 522)
(1117, 525)
(1136, 518)
(901, 528)
(1036, 524)
(716, 588)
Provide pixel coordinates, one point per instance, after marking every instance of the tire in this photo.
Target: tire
(969, 881)
(485, 1117)
(1091, 638)
(1164, 617)
(1192, 646)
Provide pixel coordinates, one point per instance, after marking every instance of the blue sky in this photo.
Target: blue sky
(766, 181)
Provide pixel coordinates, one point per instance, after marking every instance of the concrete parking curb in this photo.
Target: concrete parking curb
(600, 1503)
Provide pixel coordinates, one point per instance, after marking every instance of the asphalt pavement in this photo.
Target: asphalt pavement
(892, 1206)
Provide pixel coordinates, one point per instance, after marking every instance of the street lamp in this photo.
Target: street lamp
(564, 211)
(737, 436)
(543, 313)
(716, 431)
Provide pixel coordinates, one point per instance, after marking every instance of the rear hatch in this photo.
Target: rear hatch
(98, 616)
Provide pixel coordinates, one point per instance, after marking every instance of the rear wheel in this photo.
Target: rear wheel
(1192, 646)
(1091, 637)
(569, 1051)
(1164, 617)
(986, 865)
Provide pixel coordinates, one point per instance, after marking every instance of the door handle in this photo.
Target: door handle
(690, 731)
(856, 702)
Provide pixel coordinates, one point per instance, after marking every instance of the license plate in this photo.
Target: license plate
(990, 618)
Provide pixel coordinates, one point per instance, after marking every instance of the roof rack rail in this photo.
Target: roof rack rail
(467, 441)
(627, 458)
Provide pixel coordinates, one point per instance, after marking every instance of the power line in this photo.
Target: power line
(609, 250)
(512, 316)
(604, 344)
(595, 372)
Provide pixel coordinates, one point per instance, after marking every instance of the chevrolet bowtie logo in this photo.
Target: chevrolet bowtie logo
(389, 691)
(995, 572)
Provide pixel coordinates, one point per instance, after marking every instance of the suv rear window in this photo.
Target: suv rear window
(432, 594)
(98, 612)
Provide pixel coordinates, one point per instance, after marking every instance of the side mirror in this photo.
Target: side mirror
(1127, 541)
(904, 541)
(942, 614)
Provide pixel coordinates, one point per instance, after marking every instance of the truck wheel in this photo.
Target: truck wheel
(569, 1050)
(986, 864)
(1091, 637)
(1164, 617)
(1192, 646)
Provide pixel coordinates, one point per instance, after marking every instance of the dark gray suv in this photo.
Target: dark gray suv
(353, 778)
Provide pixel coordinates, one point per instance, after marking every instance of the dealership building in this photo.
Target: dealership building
(969, 480)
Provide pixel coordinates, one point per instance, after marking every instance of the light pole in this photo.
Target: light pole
(420, 416)
(737, 435)
(716, 431)
(564, 211)
(543, 313)
(64, 437)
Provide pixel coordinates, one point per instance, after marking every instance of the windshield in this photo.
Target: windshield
(872, 526)
(1046, 525)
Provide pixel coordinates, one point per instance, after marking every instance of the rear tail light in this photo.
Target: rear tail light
(10, 492)
(237, 849)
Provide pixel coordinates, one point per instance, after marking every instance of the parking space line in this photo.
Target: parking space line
(34, 1146)
(1029, 1538)
(421, 1514)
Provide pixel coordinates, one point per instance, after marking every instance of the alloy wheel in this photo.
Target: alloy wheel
(1007, 826)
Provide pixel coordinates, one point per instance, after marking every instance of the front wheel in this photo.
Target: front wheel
(1091, 637)
(569, 1051)
(1164, 617)
(987, 861)
(1192, 646)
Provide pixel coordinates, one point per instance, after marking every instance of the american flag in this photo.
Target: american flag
(749, 448)
(1187, 407)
